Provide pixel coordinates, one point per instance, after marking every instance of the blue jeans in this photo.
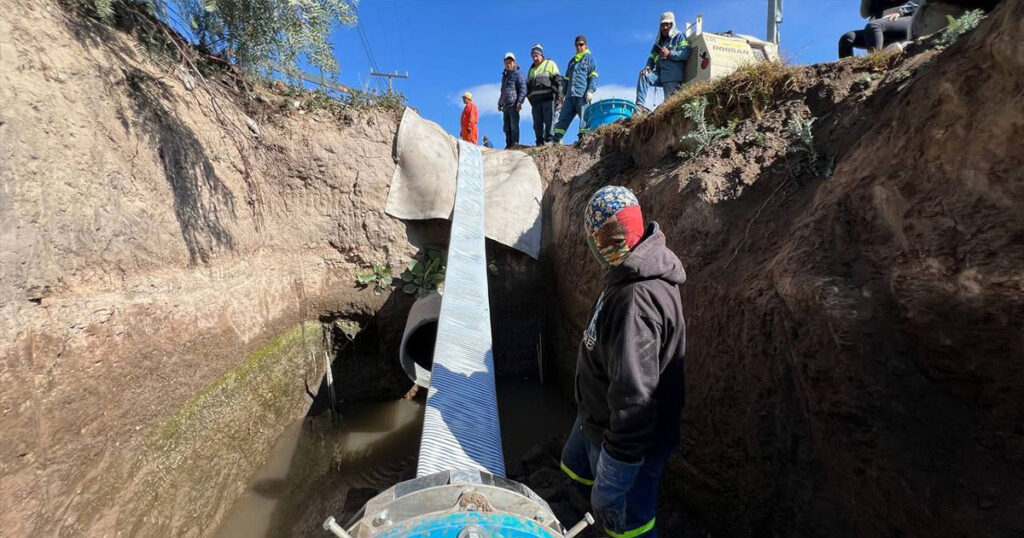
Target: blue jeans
(510, 116)
(572, 107)
(543, 124)
(580, 459)
(644, 83)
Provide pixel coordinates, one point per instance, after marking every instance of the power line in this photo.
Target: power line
(401, 34)
(366, 44)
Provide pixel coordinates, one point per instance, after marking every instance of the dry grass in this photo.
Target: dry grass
(877, 60)
(748, 92)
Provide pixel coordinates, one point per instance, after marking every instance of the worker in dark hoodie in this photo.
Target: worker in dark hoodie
(629, 373)
(666, 65)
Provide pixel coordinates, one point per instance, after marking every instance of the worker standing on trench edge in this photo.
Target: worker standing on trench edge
(470, 115)
(630, 386)
(513, 93)
(580, 85)
(543, 84)
(666, 65)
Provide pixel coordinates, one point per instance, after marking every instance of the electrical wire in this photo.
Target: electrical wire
(366, 45)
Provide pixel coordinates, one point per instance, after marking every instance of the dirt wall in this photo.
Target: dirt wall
(855, 364)
(153, 241)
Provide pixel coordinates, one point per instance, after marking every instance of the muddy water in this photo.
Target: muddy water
(322, 467)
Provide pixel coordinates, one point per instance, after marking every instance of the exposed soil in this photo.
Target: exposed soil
(151, 243)
(855, 361)
(177, 253)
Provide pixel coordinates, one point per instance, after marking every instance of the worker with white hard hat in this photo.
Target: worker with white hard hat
(513, 93)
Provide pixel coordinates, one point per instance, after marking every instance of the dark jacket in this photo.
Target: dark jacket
(513, 87)
(629, 373)
(543, 82)
(874, 9)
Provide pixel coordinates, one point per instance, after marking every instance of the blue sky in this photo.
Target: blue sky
(450, 46)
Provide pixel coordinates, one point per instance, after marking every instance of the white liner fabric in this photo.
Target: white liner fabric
(423, 186)
(460, 424)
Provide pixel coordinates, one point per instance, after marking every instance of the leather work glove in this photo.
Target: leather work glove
(613, 481)
(588, 97)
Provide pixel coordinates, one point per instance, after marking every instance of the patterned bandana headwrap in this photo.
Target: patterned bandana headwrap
(614, 224)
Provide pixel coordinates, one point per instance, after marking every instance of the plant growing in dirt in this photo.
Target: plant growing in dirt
(426, 275)
(803, 137)
(958, 27)
(704, 135)
(380, 277)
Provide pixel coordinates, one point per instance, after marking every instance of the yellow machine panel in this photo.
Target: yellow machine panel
(716, 55)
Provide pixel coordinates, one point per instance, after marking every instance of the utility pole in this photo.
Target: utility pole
(774, 20)
(389, 76)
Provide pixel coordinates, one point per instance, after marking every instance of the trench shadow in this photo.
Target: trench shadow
(203, 203)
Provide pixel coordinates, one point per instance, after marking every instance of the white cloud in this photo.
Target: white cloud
(486, 98)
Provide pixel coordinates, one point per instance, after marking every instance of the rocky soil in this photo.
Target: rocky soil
(855, 361)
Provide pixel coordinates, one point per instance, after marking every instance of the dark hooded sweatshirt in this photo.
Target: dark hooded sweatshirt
(629, 374)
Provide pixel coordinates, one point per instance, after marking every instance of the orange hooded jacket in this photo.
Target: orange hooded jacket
(469, 119)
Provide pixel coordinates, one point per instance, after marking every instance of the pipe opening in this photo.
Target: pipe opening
(420, 344)
(417, 350)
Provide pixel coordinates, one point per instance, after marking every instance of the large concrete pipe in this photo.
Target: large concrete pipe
(416, 352)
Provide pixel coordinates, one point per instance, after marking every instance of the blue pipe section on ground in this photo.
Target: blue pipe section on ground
(449, 526)
(460, 426)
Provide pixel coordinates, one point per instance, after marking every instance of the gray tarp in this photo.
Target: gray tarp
(423, 186)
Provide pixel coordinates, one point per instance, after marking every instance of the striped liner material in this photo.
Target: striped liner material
(460, 427)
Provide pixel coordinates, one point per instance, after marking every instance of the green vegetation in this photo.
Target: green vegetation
(958, 27)
(423, 276)
(704, 135)
(259, 37)
(803, 137)
(261, 377)
(380, 277)
(427, 275)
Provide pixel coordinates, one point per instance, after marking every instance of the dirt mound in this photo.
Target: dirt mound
(161, 251)
(855, 300)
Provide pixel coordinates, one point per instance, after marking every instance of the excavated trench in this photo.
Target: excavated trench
(855, 300)
(339, 456)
